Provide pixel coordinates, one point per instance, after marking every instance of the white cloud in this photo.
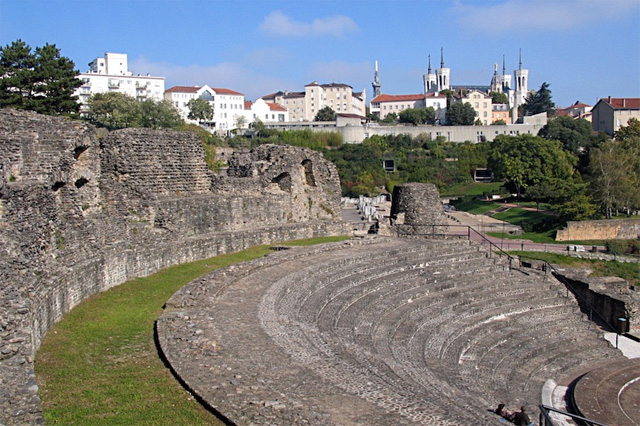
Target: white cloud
(279, 24)
(228, 75)
(538, 15)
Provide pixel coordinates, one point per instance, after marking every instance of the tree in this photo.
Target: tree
(614, 171)
(460, 114)
(417, 116)
(499, 98)
(527, 160)
(113, 110)
(116, 111)
(575, 135)
(392, 117)
(159, 115)
(540, 101)
(631, 130)
(42, 81)
(200, 110)
(325, 114)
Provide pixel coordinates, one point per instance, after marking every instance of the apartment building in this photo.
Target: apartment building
(228, 105)
(111, 74)
(481, 103)
(609, 114)
(304, 106)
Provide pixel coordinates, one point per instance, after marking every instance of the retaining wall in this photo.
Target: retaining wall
(623, 229)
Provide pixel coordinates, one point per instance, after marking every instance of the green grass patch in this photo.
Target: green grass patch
(601, 268)
(474, 206)
(474, 188)
(99, 365)
(546, 237)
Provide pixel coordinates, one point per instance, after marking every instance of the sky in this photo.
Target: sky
(584, 49)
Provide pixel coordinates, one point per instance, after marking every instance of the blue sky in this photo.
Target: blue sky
(584, 49)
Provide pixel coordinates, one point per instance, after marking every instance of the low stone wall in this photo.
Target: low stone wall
(79, 215)
(610, 297)
(624, 229)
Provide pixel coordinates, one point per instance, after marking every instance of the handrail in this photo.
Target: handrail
(545, 419)
(400, 229)
(571, 287)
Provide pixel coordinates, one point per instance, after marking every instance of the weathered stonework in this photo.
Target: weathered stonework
(416, 208)
(624, 229)
(79, 215)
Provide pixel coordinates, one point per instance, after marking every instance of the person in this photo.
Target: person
(521, 418)
(504, 412)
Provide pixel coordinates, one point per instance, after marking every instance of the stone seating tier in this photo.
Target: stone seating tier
(394, 332)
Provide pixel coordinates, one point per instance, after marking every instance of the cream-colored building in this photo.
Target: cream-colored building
(609, 114)
(304, 106)
(481, 103)
(111, 74)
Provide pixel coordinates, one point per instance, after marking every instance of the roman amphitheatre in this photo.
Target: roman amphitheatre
(375, 330)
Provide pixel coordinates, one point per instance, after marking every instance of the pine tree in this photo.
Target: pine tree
(41, 81)
(540, 101)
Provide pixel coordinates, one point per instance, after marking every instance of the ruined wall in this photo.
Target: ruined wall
(610, 297)
(79, 215)
(624, 229)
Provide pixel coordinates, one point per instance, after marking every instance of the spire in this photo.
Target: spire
(441, 57)
(504, 66)
(376, 82)
(520, 65)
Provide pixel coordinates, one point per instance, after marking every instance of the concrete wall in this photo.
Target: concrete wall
(79, 215)
(624, 229)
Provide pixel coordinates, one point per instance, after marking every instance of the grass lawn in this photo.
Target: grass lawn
(99, 365)
(474, 188)
(547, 237)
(601, 268)
(476, 206)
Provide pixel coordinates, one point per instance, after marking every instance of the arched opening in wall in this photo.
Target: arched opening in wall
(78, 151)
(81, 182)
(284, 181)
(307, 168)
(57, 185)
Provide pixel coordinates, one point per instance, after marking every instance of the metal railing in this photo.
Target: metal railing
(470, 233)
(441, 231)
(546, 420)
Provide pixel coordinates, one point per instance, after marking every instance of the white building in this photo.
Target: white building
(111, 74)
(482, 105)
(228, 105)
(267, 112)
(384, 105)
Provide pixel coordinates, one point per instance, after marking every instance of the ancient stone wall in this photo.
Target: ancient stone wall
(80, 214)
(624, 229)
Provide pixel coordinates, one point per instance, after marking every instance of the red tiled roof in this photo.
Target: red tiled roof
(397, 98)
(276, 107)
(183, 89)
(623, 103)
(221, 91)
(247, 104)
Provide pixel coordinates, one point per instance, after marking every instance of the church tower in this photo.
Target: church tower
(429, 80)
(376, 83)
(521, 88)
(443, 75)
(506, 78)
